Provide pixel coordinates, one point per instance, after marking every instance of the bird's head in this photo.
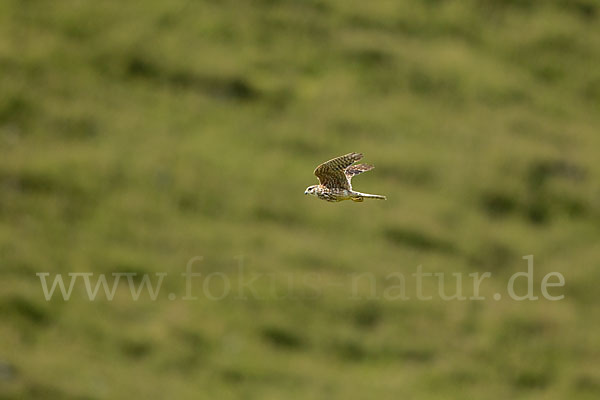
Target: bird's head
(311, 190)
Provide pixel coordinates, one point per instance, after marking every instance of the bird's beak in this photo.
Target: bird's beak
(306, 192)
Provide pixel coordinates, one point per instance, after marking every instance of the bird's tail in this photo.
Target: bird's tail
(371, 196)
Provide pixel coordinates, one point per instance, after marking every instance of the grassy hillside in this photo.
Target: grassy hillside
(135, 136)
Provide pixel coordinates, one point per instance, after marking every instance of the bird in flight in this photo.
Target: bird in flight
(335, 178)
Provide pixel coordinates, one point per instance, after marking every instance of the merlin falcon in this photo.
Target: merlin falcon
(335, 178)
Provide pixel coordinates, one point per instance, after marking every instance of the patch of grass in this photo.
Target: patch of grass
(134, 137)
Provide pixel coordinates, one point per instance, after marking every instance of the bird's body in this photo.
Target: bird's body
(335, 178)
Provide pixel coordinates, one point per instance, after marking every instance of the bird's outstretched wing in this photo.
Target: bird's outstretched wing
(332, 173)
(354, 170)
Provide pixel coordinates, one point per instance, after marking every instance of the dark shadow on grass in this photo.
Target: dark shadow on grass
(136, 349)
(16, 110)
(367, 315)
(232, 87)
(25, 308)
(417, 240)
(282, 338)
(498, 204)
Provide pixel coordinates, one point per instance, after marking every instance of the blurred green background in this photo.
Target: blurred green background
(137, 135)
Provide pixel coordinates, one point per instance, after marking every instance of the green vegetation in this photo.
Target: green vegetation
(137, 135)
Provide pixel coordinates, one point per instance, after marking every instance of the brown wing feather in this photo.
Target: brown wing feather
(354, 170)
(332, 173)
